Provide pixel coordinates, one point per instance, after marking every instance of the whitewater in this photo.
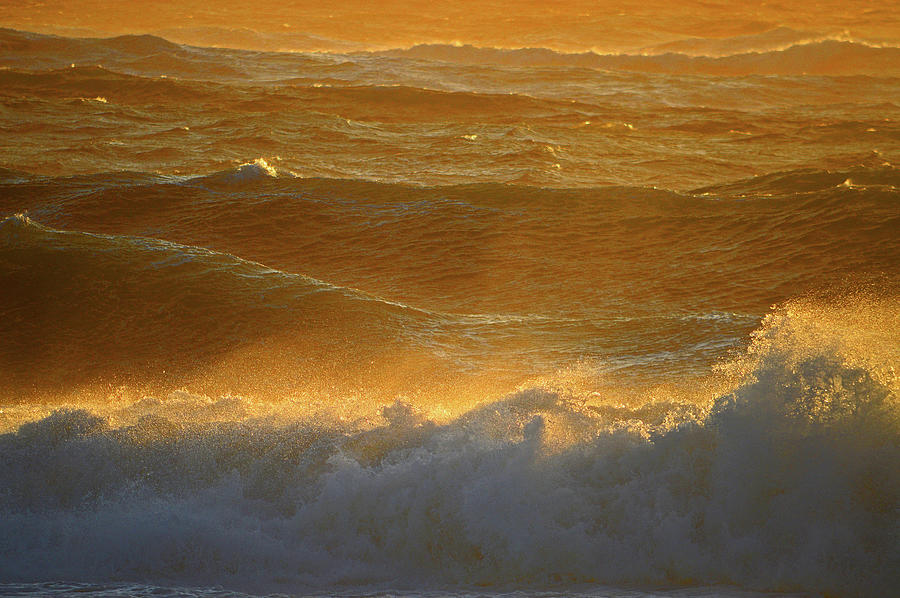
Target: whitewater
(449, 319)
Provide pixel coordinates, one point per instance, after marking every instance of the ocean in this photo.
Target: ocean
(449, 319)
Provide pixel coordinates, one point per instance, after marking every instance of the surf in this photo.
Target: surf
(787, 481)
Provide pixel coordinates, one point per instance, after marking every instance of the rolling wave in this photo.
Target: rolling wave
(139, 280)
(465, 238)
(372, 103)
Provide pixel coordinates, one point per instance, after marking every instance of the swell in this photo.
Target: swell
(151, 56)
(84, 314)
(500, 248)
(785, 482)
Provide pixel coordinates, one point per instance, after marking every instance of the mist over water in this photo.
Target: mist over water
(439, 318)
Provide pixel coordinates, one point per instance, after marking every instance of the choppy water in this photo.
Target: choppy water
(449, 320)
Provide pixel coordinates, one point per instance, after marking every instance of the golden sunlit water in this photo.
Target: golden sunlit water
(466, 299)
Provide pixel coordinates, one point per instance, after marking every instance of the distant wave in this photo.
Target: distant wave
(95, 81)
(827, 57)
(250, 39)
(871, 171)
(381, 103)
(12, 40)
(777, 53)
(135, 54)
(773, 40)
(138, 103)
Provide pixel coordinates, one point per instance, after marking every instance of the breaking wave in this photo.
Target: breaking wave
(786, 482)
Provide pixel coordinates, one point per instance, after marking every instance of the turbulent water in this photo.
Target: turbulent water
(449, 320)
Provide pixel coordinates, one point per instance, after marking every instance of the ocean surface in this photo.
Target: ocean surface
(449, 319)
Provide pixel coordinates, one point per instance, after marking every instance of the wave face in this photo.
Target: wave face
(450, 318)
